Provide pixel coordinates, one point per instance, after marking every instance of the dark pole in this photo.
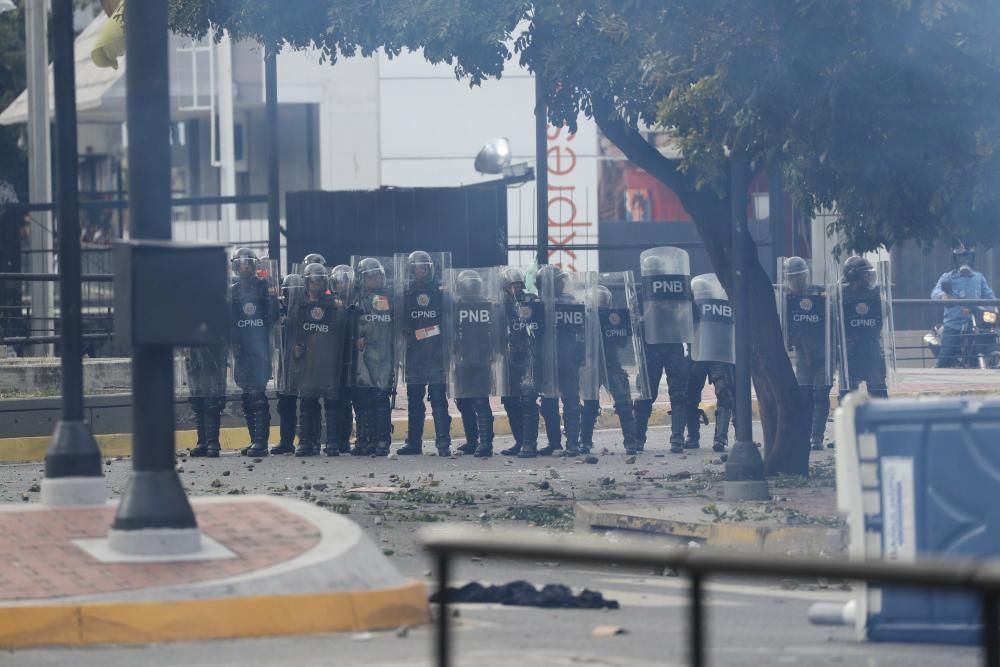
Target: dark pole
(744, 466)
(541, 170)
(273, 186)
(154, 498)
(73, 452)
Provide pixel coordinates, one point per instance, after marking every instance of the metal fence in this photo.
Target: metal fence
(445, 543)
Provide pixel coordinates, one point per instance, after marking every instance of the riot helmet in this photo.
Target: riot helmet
(342, 280)
(314, 258)
(292, 281)
(513, 280)
(546, 275)
(796, 272)
(858, 272)
(963, 258)
(421, 266)
(371, 274)
(604, 297)
(469, 284)
(244, 263)
(316, 279)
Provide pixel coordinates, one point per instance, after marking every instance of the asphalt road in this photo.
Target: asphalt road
(751, 622)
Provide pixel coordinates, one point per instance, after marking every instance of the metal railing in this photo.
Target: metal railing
(446, 542)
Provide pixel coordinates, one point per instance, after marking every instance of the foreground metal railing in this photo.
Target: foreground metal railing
(446, 542)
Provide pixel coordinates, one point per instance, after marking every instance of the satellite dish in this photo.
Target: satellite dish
(494, 157)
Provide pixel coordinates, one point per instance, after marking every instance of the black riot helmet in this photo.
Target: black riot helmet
(513, 280)
(469, 284)
(604, 297)
(858, 272)
(316, 279)
(342, 280)
(244, 263)
(796, 273)
(421, 266)
(291, 282)
(963, 257)
(653, 265)
(371, 273)
(314, 258)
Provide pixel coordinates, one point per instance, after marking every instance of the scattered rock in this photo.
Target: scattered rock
(216, 483)
(590, 459)
(789, 584)
(378, 521)
(34, 488)
(249, 468)
(319, 487)
(608, 631)
(362, 637)
(108, 462)
(658, 456)
(225, 473)
(544, 486)
(394, 456)
(258, 460)
(630, 460)
(403, 631)
(508, 463)
(553, 473)
(456, 613)
(180, 468)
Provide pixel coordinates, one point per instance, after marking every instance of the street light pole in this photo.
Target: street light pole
(39, 158)
(744, 466)
(273, 182)
(154, 514)
(541, 169)
(73, 462)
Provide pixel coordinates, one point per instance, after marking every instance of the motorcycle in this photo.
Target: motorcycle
(980, 339)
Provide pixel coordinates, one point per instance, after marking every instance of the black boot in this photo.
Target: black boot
(213, 424)
(588, 420)
(287, 416)
(484, 423)
(308, 433)
(331, 446)
(383, 425)
(553, 432)
(571, 418)
(247, 400)
(642, 410)
(362, 410)
(469, 425)
(260, 409)
(820, 404)
(693, 422)
(529, 414)
(198, 407)
(626, 418)
(512, 406)
(438, 394)
(723, 413)
(345, 423)
(678, 420)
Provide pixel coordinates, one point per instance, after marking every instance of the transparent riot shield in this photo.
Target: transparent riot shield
(578, 328)
(373, 356)
(524, 342)
(714, 331)
(477, 323)
(288, 302)
(863, 310)
(317, 329)
(625, 375)
(421, 322)
(546, 363)
(666, 296)
(253, 299)
(806, 324)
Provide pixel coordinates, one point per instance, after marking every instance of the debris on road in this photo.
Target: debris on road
(524, 594)
(608, 631)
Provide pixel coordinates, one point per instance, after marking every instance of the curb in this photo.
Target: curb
(223, 618)
(774, 539)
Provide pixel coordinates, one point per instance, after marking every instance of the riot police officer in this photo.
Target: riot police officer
(862, 315)
(617, 345)
(342, 287)
(288, 399)
(473, 321)
(667, 324)
(570, 353)
(318, 346)
(525, 319)
(807, 332)
(373, 368)
(713, 358)
(421, 325)
(206, 375)
(252, 320)
(313, 258)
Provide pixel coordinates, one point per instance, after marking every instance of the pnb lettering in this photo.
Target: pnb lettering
(668, 286)
(573, 317)
(718, 309)
(481, 316)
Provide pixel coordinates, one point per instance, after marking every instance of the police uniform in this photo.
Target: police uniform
(863, 339)
(616, 332)
(570, 358)
(525, 318)
(206, 373)
(373, 369)
(807, 336)
(252, 320)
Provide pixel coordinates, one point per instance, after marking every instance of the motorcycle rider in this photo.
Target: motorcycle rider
(962, 282)
(524, 319)
(421, 329)
(862, 335)
(251, 323)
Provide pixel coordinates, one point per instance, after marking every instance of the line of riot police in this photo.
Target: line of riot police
(337, 341)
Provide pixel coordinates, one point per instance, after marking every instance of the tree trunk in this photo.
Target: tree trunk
(780, 403)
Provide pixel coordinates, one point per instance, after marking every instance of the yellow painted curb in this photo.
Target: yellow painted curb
(221, 618)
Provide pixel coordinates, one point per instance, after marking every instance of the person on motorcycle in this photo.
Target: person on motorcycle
(962, 282)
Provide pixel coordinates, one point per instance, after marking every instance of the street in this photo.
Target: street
(751, 622)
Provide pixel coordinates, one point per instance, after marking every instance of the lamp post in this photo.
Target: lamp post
(73, 462)
(744, 467)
